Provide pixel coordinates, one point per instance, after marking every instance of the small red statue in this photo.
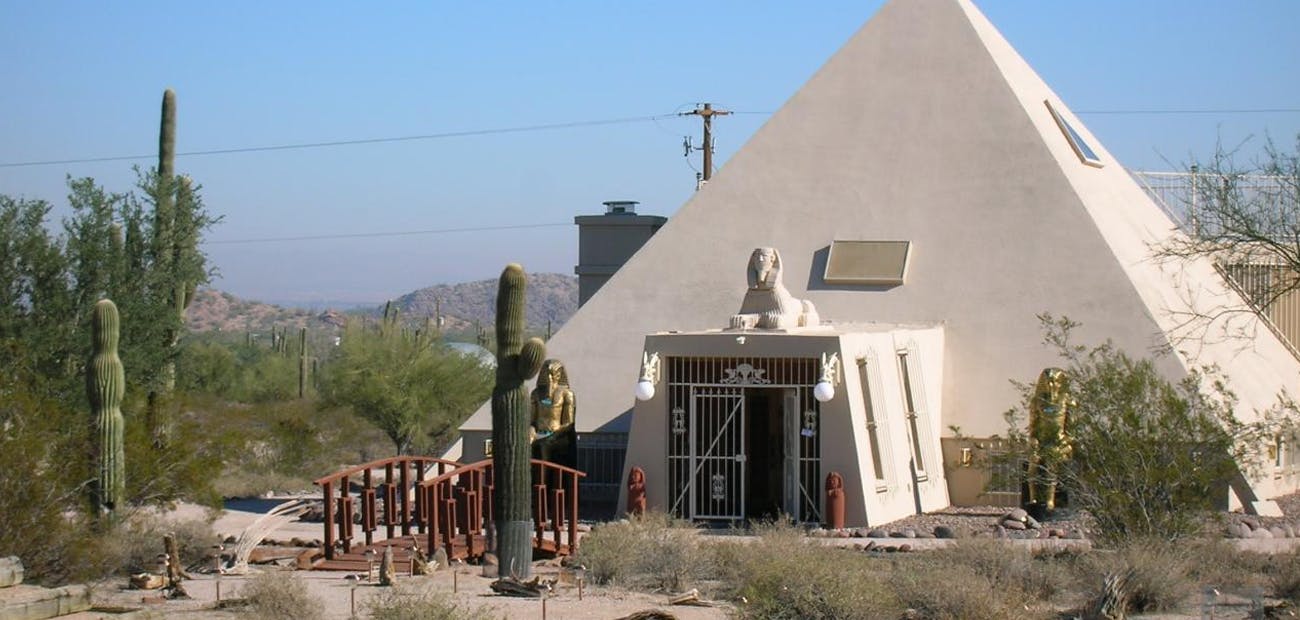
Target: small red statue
(835, 501)
(636, 503)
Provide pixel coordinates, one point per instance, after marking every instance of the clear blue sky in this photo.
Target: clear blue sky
(85, 79)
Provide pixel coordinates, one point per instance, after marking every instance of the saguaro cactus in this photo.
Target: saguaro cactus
(105, 383)
(302, 362)
(517, 362)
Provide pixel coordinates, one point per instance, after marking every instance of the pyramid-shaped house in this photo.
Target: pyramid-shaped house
(893, 230)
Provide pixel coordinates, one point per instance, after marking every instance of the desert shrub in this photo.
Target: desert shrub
(207, 367)
(935, 590)
(1220, 564)
(283, 446)
(1161, 575)
(138, 539)
(1151, 458)
(280, 595)
(44, 456)
(1283, 572)
(784, 575)
(1007, 567)
(171, 453)
(420, 602)
(653, 550)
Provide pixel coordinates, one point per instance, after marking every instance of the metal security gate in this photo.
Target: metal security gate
(708, 459)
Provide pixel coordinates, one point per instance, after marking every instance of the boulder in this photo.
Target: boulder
(1012, 524)
(909, 533)
(11, 571)
(877, 533)
(944, 531)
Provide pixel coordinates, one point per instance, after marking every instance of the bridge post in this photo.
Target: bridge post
(406, 492)
(390, 497)
(328, 506)
(573, 514)
(368, 507)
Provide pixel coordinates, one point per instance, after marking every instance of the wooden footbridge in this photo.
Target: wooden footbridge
(409, 502)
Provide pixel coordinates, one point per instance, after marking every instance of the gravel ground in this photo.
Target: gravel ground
(983, 521)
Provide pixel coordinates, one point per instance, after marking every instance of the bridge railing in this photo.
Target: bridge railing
(403, 504)
(463, 501)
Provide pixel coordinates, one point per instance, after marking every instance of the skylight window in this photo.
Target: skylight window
(1081, 148)
(867, 262)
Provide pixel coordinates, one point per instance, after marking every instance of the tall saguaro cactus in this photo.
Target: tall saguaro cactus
(165, 209)
(105, 383)
(517, 362)
(302, 362)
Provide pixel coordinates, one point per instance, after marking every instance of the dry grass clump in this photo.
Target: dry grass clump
(280, 595)
(136, 543)
(1283, 572)
(1006, 567)
(785, 575)
(1160, 573)
(650, 551)
(979, 579)
(420, 602)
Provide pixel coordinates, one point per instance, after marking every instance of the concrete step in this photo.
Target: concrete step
(11, 571)
(24, 602)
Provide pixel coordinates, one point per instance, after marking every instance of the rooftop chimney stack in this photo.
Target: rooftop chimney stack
(607, 241)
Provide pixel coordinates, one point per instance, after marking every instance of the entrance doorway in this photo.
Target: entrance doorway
(742, 439)
(764, 421)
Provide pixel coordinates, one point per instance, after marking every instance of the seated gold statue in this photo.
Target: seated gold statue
(554, 410)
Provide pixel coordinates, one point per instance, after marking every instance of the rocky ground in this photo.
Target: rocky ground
(1002, 522)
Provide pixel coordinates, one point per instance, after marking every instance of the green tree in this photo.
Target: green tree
(415, 389)
(1152, 459)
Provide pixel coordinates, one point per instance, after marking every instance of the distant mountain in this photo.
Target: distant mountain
(214, 310)
(551, 297)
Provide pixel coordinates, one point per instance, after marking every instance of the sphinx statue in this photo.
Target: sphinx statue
(1049, 437)
(554, 410)
(767, 303)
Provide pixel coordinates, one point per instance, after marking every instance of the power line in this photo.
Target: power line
(553, 126)
(402, 233)
(1149, 111)
(1192, 111)
(311, 145)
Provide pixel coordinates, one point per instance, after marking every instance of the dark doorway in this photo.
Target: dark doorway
(765, 440)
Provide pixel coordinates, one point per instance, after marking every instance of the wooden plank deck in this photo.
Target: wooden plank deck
(356, 560)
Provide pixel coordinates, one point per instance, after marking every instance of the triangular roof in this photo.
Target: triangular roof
(926, 126)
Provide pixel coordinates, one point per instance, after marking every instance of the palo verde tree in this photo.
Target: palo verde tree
(415, 389)
(1245, 216)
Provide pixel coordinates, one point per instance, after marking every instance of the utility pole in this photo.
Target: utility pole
(707, 112)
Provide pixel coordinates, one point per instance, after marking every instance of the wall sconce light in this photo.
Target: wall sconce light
(645, 385)
(825, 388)
(967, 457)
(487, 448)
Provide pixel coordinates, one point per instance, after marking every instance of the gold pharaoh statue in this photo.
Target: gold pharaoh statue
(554, 409)
(1049, 438)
